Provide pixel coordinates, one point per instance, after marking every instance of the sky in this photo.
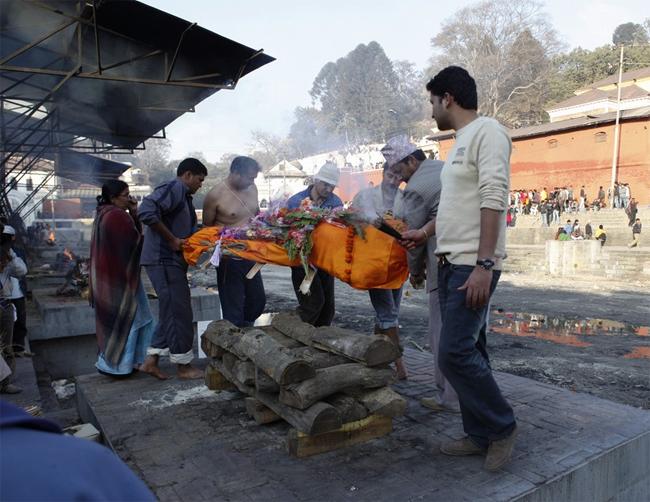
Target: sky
(305, 35)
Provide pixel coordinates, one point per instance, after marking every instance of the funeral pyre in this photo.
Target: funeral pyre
(76, 271)
(332, 385)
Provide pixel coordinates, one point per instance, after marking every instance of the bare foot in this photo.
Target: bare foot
(401, 369)
(188, 372)
(151, 366)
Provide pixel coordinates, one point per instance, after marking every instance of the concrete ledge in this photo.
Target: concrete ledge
(66, 316)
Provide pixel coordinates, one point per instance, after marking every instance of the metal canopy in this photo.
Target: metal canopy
(101, 76)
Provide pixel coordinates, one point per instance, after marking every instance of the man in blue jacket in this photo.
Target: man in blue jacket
(169, 218)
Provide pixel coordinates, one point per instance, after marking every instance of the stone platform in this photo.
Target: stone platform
(64, 316)
(189, 443)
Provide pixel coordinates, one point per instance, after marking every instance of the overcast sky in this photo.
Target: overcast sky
(305, 35)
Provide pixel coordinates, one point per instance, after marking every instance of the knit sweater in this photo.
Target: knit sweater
(476, 176)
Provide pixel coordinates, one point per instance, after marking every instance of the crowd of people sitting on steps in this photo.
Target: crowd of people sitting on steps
(549, 205)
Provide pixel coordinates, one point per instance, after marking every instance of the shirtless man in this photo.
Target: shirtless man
(233, 203)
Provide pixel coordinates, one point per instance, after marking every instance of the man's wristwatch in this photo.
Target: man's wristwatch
(486, 263)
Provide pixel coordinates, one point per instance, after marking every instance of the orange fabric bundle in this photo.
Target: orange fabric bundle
(377, 261)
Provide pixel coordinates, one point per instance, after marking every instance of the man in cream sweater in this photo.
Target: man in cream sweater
(471, 230)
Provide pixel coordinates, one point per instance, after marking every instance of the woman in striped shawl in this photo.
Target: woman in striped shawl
(124, 324)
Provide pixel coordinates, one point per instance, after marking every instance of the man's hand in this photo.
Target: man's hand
(478, 288)
(417, 280)
(413, 238)
(176, 244)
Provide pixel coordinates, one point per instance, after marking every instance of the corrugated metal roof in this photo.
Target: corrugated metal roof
(613, 79)
(595, 95)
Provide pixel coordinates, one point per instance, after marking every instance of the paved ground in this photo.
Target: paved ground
(189, 443)
(593, 334)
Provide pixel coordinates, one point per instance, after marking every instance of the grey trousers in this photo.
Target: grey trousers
(174, 333)
(446, 395)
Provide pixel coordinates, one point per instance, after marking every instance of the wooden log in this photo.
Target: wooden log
(320, 358)
(348, 407)
(321, 417)
(264, 383)
(275, 360)
(210, 349)
(290, 324)
(384, 401)
(226, 335)
(246, 389)
(244, 371)
(303, 445)
(328, 381)
(260, 413)
(280, 337)
(229, 360)
(215, 380)
(373, 350)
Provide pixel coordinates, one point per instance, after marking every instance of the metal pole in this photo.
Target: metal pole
(617, 127)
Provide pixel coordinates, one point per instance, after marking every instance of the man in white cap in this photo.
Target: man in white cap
(317, 308)
(418, 206)
(17, 297)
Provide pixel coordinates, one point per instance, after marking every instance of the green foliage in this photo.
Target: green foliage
(629, 34)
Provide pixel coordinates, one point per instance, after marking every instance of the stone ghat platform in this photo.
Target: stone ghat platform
(189, 443)
(64, 316)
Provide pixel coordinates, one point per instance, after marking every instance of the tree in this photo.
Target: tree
(357, 93)
(310, 134)
(630, 34)
(507, 47)
(154, 161)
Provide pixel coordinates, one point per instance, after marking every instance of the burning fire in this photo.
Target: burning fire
(51, 237)
(68, 254)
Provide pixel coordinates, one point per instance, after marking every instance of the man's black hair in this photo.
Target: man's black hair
(242, 163)
(457, 82)
(192, 165)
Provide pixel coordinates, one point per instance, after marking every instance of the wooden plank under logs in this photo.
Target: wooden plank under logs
(374, 426)
(318, 418)
(384, 401)
(215, 380)
(375, 350)
(275, 360)
(328, 381)
(260, 413)
(210, 349)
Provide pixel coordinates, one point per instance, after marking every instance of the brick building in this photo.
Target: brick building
(579, 152)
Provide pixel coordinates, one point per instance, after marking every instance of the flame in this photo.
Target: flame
(51, 237)
(68, 254)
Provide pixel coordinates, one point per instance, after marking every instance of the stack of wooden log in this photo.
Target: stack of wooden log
(329, 383)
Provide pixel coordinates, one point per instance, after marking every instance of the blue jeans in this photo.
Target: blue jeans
(464, 361)
(386, 304)
(242, 300)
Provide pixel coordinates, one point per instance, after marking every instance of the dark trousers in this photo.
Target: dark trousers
(174, 330)
(242, 300)
(6, 337)
(316, 308)
(20, 326)
(464, 361)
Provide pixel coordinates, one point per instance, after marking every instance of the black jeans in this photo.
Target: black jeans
(242, 300)
(316, 308)
(20, 326)
(464, 361)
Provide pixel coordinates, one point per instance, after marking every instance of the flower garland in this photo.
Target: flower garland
(292, 228)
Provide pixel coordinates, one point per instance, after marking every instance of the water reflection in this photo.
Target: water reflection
(562, 330)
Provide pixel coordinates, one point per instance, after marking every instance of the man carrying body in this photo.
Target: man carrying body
(470, 231)
(374, 202)
(317, 308)
(233, 203)
(418, 207)
(169, 216)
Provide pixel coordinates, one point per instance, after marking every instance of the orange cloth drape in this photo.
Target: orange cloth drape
(377, 261)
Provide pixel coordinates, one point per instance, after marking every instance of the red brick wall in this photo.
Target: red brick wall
(578, 159)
